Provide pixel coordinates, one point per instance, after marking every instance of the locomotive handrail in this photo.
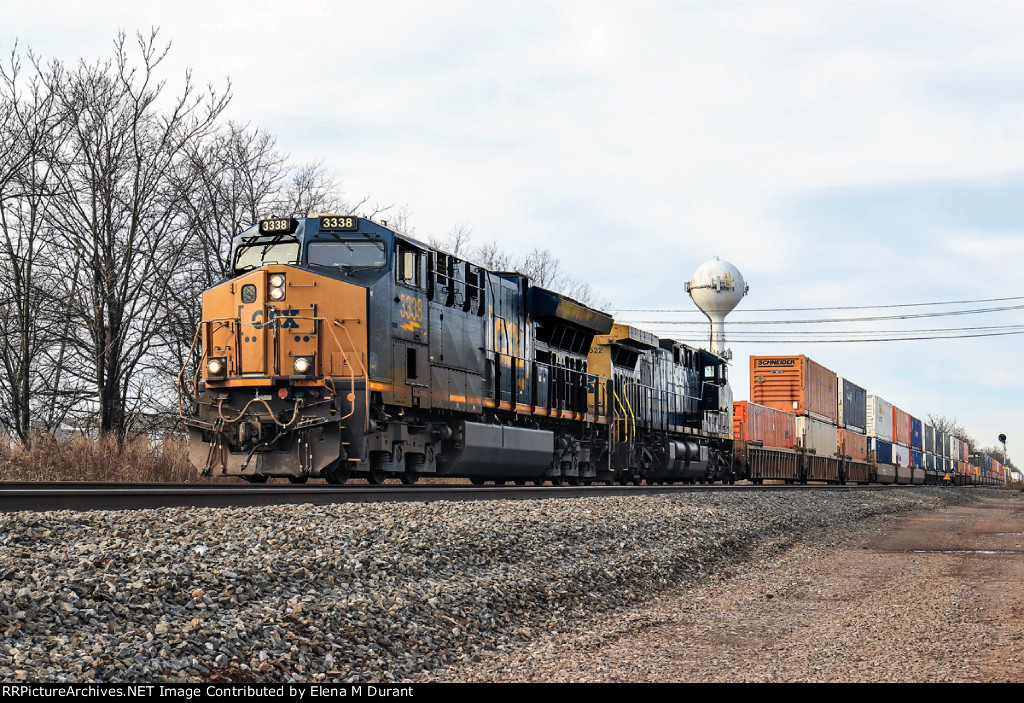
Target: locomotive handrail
(238, 323)
(181, 411)
(362, 367)
(341, 349)
(632, 415)
(625, 413)
(199, 366)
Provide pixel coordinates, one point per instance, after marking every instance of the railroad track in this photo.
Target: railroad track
(40, 496)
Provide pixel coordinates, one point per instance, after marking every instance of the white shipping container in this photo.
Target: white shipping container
(822, 437)
(901, 455)
(879, 418)
(954, 448)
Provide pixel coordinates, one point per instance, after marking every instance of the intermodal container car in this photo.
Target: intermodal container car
(820, 436)
(795, 384)
(883, 451)
(853, 445)
(916, 434)
(879, 418)
(853, 406)
(752, 422)
(900, 427)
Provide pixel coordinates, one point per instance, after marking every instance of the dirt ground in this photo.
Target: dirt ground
(927, 598)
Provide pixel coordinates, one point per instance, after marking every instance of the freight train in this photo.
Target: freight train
(338, 347)
(806, 423)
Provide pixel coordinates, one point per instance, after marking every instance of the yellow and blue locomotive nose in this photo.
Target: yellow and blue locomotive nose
(283, 370)
(271, 325)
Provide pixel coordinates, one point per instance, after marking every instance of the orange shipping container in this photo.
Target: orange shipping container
(794, 384)
(900, 427)
(853, 445)
(752, 423)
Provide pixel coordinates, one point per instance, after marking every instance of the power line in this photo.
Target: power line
(834, 307)
(747, 334)
(919, 315)
(700, 340)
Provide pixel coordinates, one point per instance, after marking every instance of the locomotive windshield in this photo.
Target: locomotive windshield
(267, 251)
(347, 253)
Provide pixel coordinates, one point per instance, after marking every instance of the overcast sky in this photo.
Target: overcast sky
(839, 154)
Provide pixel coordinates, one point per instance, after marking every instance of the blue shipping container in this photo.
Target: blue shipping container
(853, 406)
(883, 451)
(916, 459)
(915, 434)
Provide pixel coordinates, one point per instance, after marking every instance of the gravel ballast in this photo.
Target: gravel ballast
(369, 592)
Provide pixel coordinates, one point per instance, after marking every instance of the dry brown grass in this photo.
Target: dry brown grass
(87, 459)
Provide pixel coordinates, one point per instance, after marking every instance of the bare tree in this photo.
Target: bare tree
(456, 242)
(493, 257)
(540, 265)
(120, 214)
(310, 188)
(952, 427)
(33, 344)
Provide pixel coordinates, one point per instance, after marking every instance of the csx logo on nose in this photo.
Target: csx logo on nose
(287, 323)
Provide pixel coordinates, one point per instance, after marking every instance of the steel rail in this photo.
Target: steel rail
(77, 496)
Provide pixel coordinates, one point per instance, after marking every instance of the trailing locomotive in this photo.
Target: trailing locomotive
(338, 347)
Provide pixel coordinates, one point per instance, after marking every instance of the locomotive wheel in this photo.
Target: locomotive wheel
(499, 482)
(337, 476)
(377, 476)
(298, 479)
(476, 480)
(520, 481)
(573, 480)
(409, 477)
(556, 480)
(258, 478)
(538, 481)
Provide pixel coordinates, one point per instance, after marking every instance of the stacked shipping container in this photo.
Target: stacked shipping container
(798, 404)
(804, 387)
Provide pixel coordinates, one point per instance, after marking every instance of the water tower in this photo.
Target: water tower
(716, 288)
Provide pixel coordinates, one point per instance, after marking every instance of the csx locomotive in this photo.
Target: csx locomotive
(341, 348)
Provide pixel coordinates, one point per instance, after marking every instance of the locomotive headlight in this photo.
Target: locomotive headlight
(216, 366)
(303, 365)
(277, 286)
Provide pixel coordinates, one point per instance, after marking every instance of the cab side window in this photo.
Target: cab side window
(409, 265)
